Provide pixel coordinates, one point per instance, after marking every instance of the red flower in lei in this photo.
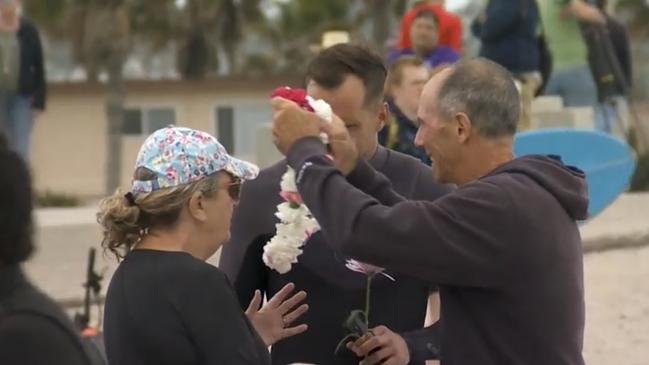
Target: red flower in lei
(297, 96)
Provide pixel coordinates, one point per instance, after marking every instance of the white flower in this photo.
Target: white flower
(287, 214)
(280, 256)
(296, 224)
(295, 227)
(323, 110)
(288, 180)
(311, 225)
(291, 233)
(366, 269)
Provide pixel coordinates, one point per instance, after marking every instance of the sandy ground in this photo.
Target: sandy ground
(617, 307)
(617, 291)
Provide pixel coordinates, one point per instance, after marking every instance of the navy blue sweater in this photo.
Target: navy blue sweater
(508, 34)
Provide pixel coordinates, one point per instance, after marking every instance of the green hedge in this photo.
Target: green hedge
(52, 199)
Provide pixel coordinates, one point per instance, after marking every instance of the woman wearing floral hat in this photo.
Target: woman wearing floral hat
(165, 304)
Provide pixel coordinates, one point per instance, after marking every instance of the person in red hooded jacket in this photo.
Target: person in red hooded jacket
(450, 25)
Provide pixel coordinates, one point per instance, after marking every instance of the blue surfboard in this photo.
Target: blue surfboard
(607, 161)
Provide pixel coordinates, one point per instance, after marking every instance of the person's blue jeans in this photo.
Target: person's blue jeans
(610, 116)
(575, 86)
(16, 122)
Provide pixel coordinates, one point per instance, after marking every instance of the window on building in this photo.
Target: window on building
(238, 124)
(225, 127)
(146, 120)
(132, 122)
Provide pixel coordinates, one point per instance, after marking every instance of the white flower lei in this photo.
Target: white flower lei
(296, 222)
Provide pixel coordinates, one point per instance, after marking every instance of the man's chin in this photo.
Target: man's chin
(437, 175)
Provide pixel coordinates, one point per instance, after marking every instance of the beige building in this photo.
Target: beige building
(69, 146)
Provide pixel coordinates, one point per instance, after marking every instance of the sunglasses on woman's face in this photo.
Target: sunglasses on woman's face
(234, 188)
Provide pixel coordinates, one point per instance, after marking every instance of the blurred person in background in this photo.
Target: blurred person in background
(571, 76)
(424, 42)
(450, 25)
(406, 79)
(165, 304)
(22, 77)
(614, 106)
(468, 11)
(619, 37)
(33, 329)
(508, 33)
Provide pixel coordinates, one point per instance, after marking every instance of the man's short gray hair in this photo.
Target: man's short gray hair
(485, 92)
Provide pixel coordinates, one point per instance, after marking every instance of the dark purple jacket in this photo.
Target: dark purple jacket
(440, 55)
(505, 251)
(333, 290)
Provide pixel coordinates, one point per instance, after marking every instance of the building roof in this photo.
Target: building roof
(225, 85)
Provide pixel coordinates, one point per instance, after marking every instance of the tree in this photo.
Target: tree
(636, 13)
(102, 32)
(99, 31)
(298, 27)
(381, 22)
(106, 44)
(202, 28)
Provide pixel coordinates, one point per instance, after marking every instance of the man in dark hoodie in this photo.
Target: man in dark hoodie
(504, 247)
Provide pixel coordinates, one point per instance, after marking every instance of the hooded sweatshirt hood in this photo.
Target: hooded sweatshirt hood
(566, 183)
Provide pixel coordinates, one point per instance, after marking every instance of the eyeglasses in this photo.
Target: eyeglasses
(234, 188)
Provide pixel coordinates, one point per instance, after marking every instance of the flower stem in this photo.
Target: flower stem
(367, 299)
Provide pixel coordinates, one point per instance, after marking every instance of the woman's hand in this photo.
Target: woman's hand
(273, 320)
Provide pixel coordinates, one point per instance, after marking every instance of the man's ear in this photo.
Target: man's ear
(463, 126)
(196, 207)
(384, 114)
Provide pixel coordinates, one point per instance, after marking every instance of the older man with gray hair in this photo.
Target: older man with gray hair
(504, 247)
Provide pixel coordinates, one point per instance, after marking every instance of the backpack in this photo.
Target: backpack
(603, 62)
(37, 306)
